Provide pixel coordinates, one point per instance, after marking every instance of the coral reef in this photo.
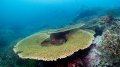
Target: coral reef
(106, 46)
(71, 42)
(69, 46)
(105, 52)
(110, 46)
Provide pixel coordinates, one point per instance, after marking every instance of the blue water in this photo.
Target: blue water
(20, 18)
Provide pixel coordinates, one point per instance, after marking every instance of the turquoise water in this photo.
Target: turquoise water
(19, 18)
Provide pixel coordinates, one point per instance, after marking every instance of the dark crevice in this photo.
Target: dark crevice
(98, 31)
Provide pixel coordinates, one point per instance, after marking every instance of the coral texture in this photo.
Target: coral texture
(110, 46)
(31, 47)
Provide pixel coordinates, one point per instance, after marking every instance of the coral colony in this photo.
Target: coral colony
(41, 46)
(78, 45)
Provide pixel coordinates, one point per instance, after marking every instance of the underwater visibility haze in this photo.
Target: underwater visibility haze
(80, 33)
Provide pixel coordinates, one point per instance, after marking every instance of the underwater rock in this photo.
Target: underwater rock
(32, 46)
(105, 52)
(110, 48)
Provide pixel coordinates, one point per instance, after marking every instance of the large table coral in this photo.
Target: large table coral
(33, 47)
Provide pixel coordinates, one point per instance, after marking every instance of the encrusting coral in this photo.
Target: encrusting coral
(50, 46)
(106, 49)
(110, 46)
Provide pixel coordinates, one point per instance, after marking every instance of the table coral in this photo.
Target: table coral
(31, 47)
